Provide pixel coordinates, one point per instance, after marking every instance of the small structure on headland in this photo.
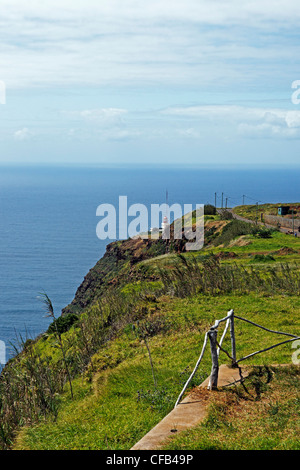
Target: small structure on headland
(283, 210)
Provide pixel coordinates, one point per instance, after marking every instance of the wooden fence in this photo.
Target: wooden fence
(211, 336)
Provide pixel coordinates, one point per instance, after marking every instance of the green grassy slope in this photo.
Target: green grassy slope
(254, 211)
(117, 403)
(171, 299)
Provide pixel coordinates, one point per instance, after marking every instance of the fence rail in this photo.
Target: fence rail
(216, 347)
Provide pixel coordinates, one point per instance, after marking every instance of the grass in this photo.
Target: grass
(250, 212)
(263, 414)
(117, 405)
(284, 248)
(115, 399)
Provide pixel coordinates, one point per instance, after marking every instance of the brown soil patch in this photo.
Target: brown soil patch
(285, 250)
(226, 255)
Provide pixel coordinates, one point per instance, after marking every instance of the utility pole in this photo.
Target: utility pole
(222, 199)
(226, 203)
(256, 212)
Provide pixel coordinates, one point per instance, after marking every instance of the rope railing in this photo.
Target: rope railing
(216, 348)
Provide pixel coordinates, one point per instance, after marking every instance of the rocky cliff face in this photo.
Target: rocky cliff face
(116, 266)
(113, 269)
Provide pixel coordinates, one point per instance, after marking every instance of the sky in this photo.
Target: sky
(193, 82)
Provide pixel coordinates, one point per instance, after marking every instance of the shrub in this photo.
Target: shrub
(234, 229)
(262, 232)
(263, 258)
(209, 209)
(63, 324)
(226, 215)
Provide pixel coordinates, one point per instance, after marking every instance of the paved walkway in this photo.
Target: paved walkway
(190, 412)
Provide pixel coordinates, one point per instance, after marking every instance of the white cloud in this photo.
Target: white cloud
(120, 135)
(206, 11)
(249, 121)
(128, 42)
(23, 134)
(103, 113)
(189, 133)
(101, 117)
(106, 124)
(267, 131)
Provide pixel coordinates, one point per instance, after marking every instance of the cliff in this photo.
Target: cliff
(117, 267)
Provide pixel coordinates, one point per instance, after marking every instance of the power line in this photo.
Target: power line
(256, 200)
(234, 199)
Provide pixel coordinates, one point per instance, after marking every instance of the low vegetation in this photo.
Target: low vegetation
(113, 365)
(256, 212)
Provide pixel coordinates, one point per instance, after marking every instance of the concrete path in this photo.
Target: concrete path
(190, 412)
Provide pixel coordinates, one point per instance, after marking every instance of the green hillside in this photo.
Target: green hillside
(112, 366)
(258, 211)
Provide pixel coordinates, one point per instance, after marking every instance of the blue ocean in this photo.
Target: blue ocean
(48, 222)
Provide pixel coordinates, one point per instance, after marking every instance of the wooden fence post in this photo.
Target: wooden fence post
(213, 381)
(232, 336)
